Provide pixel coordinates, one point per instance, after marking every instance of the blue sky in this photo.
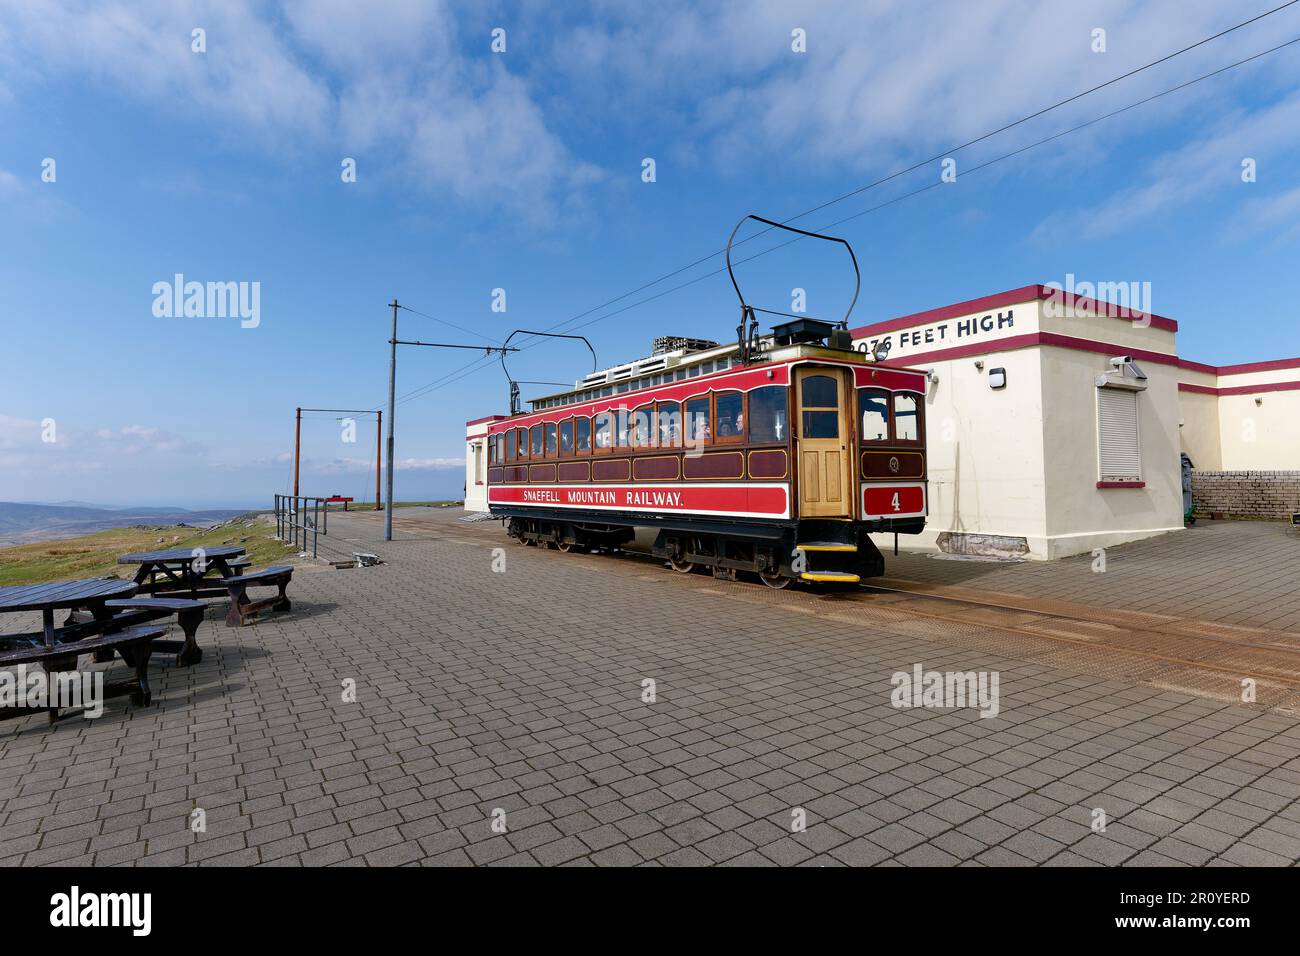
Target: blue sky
(522, 171)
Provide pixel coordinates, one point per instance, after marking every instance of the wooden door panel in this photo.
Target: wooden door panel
(810, 477)
(831, 466)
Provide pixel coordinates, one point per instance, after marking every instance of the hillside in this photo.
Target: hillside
(95, 555)
(22, 523)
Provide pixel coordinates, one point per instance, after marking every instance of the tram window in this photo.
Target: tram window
(670, 425)
(535, 436)
(874, 404)
(604, 430)
(550, 440)
(820, 391)
(821, 424)
(697, 421)
(566, 437)
(582, 434)
(767, 414)
(729, 409)
(620, 428)
(819, 402)
(522, 434)
(907, 417)
(640, 427)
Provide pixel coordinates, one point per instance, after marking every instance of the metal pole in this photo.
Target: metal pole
(379, 454)
(392, 384)
(297, 444)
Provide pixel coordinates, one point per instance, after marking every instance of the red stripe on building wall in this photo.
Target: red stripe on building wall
(1241, 389)
(1028, 293)
(1272, 366)
(1030, 339)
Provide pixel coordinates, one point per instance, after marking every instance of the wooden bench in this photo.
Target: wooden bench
(237, 567)
(189, 614)
(241, 608)
(134, 645)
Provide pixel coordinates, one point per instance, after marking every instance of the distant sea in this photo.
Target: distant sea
(22, 523)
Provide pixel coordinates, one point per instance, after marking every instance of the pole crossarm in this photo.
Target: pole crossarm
(486, 349)
(345, 411)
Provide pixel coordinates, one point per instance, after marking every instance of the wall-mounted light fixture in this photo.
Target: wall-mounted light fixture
(979, 366)
(997, 378)
(1259, 401)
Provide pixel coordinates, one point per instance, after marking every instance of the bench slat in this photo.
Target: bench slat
(265, 574)
(158, 603)
(132, 635)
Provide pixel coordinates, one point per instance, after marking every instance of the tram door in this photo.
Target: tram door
(822, 443)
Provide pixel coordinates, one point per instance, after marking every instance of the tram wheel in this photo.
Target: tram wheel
(682, 567)
(567, 546)
(775, 581)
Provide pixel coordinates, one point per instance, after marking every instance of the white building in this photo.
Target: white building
(1043, 441)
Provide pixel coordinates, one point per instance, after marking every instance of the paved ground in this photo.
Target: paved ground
(1237, 572)
(519, 696)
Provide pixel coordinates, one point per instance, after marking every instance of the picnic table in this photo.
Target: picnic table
(48, 598)
(184, 571)
(335, 498)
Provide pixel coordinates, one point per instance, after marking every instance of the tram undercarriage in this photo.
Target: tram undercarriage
(820, 552)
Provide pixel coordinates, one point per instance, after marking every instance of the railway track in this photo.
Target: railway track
(1205, 658)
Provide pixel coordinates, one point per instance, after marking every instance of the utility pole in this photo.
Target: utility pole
(392, 386)
(297, 446)
(379, 455)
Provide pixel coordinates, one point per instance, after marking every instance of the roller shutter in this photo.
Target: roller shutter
(1117, 435)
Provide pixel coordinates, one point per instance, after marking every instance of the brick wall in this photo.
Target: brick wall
(1251, 494)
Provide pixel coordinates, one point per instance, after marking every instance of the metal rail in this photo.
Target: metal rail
(299, 519)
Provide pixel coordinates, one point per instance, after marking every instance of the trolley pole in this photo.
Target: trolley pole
(297, 447)
(392, 385)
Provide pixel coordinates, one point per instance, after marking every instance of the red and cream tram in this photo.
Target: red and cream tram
(775, 455)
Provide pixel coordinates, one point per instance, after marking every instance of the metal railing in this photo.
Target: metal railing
(301, 519)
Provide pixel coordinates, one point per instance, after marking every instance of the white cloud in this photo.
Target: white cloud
(880, 82)
(1277, 214)
(1203, 168)
(386, 82)
(367, 466)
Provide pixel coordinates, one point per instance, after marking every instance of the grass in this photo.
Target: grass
(95, 555)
